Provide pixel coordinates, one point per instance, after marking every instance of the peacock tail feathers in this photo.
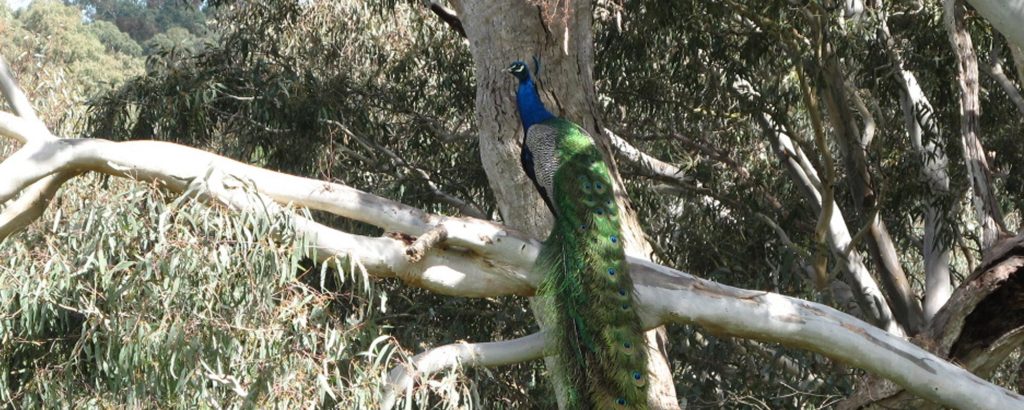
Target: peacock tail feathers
(595, 333)
(587, 290)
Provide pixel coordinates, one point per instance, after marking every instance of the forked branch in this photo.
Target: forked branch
(484, 260)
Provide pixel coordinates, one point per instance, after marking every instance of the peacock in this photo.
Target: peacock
(596, 334)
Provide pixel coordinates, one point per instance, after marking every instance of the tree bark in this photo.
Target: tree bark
(986, 208)
(865, 290)
(853, 146)
(978, 328)
(558, 34)
(1005, 16)
(482, 259)
(923, 130)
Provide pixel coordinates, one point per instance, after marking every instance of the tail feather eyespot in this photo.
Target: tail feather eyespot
(627, 348)
(638, 378)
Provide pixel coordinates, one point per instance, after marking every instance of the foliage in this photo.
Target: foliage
(136, 298)
(144, 19)
(290, 88)
(63, 60)
(174, 37)
(381, 97)
(294, 88)
(114, 39)
(667, 72)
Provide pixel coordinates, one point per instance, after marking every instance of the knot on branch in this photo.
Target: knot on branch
(425, 242)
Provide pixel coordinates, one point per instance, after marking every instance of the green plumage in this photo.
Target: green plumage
(596, 333)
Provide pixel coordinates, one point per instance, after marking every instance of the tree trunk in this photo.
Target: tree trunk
(923, 131)
(986, 207)
(853, 146)
(558, 33)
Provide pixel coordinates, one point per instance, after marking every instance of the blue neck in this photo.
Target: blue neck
(531, 109)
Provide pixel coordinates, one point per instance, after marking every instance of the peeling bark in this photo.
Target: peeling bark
(986, 208)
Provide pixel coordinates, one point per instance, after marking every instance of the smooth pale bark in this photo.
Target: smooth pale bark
(976, 329)
(558, 34)
(994, 69)
(918, 116)
(865, 290)
(15, 97)
(30, 205)
(1005, 15)
(796, 323)
(462, 354)
(853, 146)
(935, 249)
(656, 167)
(475, 267)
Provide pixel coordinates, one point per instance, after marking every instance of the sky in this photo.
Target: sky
(17, 4)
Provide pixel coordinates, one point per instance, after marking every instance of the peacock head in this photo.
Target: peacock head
(520, 70)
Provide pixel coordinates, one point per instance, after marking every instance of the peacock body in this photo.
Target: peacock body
(596, 334)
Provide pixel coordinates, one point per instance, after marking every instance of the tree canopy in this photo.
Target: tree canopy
(864, 157)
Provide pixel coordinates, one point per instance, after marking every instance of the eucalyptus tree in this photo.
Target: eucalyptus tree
(834, 152)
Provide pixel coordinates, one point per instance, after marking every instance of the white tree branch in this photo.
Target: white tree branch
(865, 290)
(31, 204)
(643, 160)
(1005, 16)
(14, 95)
(476, 263)
(919, 118)
(772, 317)
(404, 377)
(505, 261)
(995, 70)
